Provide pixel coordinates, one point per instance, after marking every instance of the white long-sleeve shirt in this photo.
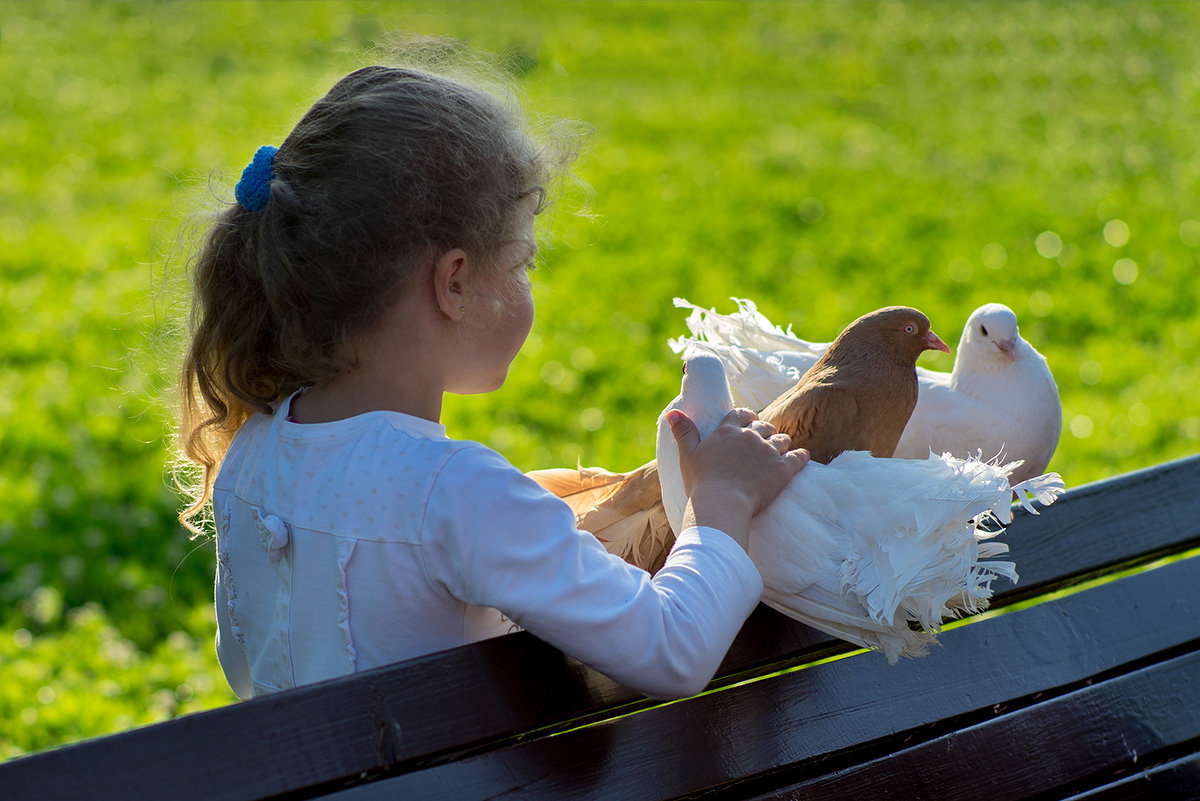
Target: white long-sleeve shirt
(348, 545)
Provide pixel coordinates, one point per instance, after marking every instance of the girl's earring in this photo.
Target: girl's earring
(462, 309)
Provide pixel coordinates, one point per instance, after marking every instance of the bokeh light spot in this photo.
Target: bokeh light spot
(1090, 372)
(583, 358)
(1116, 233)
(591, 419)
(994, 256)
(1125, 271)
(1048, 244)
(553, 373)
(1082, 426)
(810, 210)
(1040, 303)
(959, 269)
(1189, 233)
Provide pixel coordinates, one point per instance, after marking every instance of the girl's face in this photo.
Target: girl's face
(495, 344)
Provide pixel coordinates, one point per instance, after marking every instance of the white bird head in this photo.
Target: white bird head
(991, 335)
(704, 396)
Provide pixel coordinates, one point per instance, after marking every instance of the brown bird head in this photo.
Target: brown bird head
(861, 392)
(898, 331)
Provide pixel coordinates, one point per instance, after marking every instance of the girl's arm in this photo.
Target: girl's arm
(493, 537)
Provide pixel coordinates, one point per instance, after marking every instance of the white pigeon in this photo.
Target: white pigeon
(862, 546)
(999, 402)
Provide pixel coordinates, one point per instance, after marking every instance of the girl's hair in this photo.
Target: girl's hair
(387, 171)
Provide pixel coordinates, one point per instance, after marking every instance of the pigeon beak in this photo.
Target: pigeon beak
(1009, 348)
(933, 343)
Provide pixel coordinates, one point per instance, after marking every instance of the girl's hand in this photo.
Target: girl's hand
(735, 472)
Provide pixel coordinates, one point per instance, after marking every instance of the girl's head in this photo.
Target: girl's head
(391, 169)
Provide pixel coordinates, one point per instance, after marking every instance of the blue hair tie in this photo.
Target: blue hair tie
(254, 189)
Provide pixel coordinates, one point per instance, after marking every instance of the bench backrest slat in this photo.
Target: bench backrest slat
(805, 721)
(1100, 731)
(1177, 780)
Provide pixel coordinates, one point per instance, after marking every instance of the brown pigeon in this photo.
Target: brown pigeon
(858, 396)
(861, 392)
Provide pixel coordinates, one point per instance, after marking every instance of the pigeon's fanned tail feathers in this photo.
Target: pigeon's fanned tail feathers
(907, 545)
(622, 510)
(1045, 489)
(642, 538)
(761, 360)
(938, 563)
(746, 328)
(831, 614)
(637, 491)
(581, 488)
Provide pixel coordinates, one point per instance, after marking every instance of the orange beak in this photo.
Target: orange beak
(933, 343)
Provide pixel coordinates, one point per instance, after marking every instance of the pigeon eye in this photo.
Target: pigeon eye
(983, 330)
(685, 369)
(910, 329)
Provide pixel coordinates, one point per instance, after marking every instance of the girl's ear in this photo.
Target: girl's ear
(449, 283)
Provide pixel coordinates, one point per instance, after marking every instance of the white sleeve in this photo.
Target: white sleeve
(493, 537)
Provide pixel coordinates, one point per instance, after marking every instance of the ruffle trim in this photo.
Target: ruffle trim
(345, 549)
(227, 582)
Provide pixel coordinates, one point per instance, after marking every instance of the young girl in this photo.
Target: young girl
(373, 263)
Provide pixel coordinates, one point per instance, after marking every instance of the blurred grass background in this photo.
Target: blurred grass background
(823, 159)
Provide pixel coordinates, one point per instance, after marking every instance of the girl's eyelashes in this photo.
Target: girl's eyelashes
(530, 263)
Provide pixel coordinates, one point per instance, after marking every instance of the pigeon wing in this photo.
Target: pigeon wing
(818, 417)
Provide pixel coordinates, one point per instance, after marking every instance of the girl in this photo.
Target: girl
(373, 263)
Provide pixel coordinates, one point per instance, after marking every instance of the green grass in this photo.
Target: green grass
(823, 159)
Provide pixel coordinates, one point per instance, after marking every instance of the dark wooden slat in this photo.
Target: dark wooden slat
(1072, 741)
(419, 710)
(1175, 781)
(325, 732)
(799, 719)
(1130, 518)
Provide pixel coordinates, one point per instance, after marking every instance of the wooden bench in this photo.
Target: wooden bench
(1093, 693)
